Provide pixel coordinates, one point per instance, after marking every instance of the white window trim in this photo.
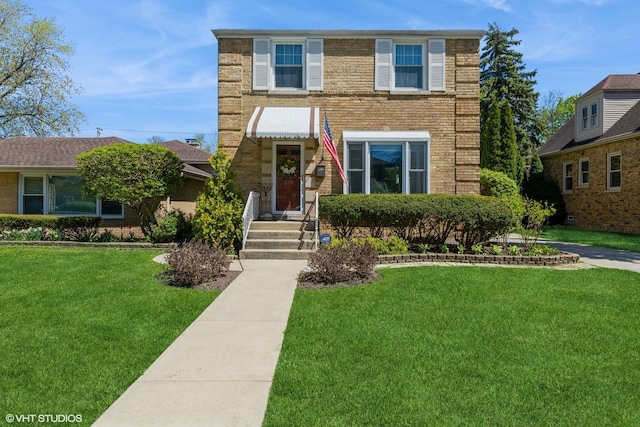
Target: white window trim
(264, 63)
(433, 63)
(593, 116)
(45, 196)
(609, 171)
(565, 176)
(581, 183)
(368, 138)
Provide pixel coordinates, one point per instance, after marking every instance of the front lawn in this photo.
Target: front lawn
(630, 242)
(463, 346)
(78, 326)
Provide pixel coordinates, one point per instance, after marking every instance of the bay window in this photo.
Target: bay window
(387, 162)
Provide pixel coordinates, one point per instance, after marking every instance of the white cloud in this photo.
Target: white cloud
(494, 4)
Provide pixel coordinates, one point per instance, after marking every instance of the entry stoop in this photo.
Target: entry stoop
(279, 240)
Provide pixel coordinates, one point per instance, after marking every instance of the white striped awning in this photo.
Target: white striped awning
(284, 122)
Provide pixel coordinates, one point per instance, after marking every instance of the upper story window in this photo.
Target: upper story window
(409, 71)
(410, 66)
(589, 116)
(584, 173)
(288, 65)
(594, 115)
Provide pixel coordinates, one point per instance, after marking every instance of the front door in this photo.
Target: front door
(287, 178)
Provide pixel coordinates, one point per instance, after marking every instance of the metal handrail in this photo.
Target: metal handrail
(316, 231)
(251, 212)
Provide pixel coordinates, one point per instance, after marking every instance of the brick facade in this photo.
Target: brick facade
(8, 192)
(592, 206)
(350, 103)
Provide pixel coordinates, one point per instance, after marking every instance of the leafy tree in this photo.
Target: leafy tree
(34, 85)
(155, 139)
(555, 111)
(137, 175)
(503, 78)
(219, 208)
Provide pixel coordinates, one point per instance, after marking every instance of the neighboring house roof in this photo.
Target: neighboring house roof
(26, 152)
(188, 153)
(48, 152)
(616, 82)
(628, 124)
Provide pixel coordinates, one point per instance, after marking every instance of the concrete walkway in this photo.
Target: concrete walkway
(219, 371)
(600, 257)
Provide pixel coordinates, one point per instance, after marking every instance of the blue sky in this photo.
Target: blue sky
(148, 67)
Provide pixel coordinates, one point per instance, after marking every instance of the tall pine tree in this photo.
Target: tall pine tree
(512, 163)
(490, 139)
(503, 78)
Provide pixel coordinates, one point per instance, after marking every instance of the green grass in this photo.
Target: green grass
(78, 326)
(630, 242)
(463, 346)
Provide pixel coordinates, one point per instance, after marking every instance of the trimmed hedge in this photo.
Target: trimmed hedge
(73, 227)
(429, 218)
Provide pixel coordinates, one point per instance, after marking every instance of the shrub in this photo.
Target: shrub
(498, 184)
(79, 229)
(339, 263)
(170, 227)
(194, 263)
(536, 216)
(542, 189)
(76, 228)
(391, 246)
(219, 208)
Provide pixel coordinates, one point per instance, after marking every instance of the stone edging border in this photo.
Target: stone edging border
(541, 260)
(64, 243)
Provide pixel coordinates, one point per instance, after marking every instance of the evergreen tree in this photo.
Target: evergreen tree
(503, 78)
(490, 139)
(511, 163)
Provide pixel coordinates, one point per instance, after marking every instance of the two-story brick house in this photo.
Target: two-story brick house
(403, 108)
(595, 157)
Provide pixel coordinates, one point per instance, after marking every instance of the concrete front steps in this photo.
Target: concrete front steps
(279, 240)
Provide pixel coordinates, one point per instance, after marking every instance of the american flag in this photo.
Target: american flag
(327, 140)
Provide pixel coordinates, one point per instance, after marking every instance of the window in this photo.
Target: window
(594, 115)
(614, 171)
(585, 118)
(584, 173)
(567, 173)
(409, 71)
(62, 195)
(410, 65)
(33, 195)
(377, 162)
(287, 66)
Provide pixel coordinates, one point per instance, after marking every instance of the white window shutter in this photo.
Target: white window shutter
(315, 56)
(383, 64)
(261, 52)
(436, 65)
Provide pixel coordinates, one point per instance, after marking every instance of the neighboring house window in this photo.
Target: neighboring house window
(585, 118)
(594, 115)
(387, 167)
(584, 173)
(410, 65)
(567, 169)
(288, 65)
(614, 171)
(62, 195)
(33, 195)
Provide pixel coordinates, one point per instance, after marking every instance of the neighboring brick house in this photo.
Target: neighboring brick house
(38, 176)
(595, 157)
(403, 108)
